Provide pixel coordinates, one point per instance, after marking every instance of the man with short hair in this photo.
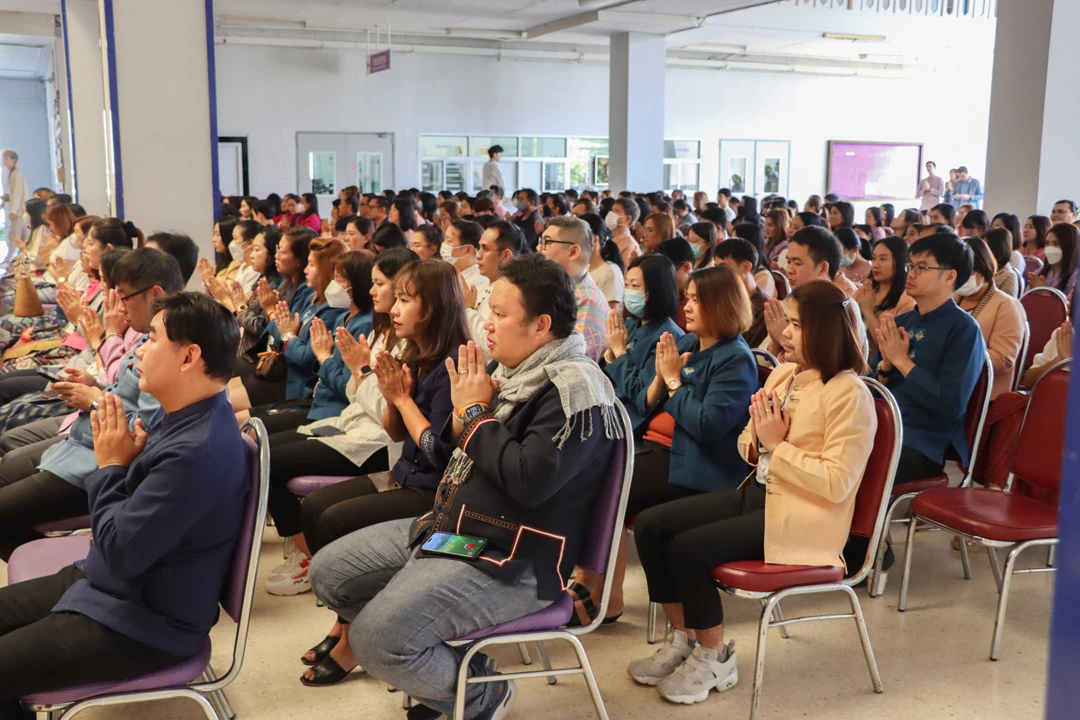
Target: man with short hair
(528, 216)
(967, 190)
(931, 187)
(683, 216)
(166, 507)
(378, 208)
(500, 243)
(529, 459)
(459, 248)
(741, 256)
(584, 206)
(723, 198)
(492, 173)
(46, 481)
(1064, 212)
(681, 255)
(568, 241)
(943, 214)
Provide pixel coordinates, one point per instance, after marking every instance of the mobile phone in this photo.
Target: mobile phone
(462, 546)
(49, 375)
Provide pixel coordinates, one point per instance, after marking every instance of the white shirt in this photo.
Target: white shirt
(731, 214)
(472, 276)
(247, 276)
(610, 279)
(492, 175)
(476, 317)
(1049, 353)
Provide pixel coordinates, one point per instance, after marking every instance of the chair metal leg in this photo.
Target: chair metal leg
(219, 709)
(654, 608)
(590, 679)
(965, 559)
(992, 554)
(905, 577)
(217, 697)
(406, 701)
(526, 658)
(1051, 556)
(759, 661)
(542, 651)
(777, 615)
(874, 586)
(1003, 600)
(864, 638)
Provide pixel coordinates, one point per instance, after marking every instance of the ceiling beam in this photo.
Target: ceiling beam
(566, 23)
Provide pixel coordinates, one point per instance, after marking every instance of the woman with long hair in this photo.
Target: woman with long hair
(658, 227)
(777, 223)
(875, 219)
(810, 435)
(1060, 270)
(606, 262)
(1010, 222)
(403, 214)
(308, 215)
(702, 239)
(1034, 234)
(1000, 243)
(841, 214)
(885, 292)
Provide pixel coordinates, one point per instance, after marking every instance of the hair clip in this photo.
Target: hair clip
(846, 302)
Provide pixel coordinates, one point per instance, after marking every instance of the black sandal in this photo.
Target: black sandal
(328, 672)
(422, 712)
(585, 598)
(322, 650)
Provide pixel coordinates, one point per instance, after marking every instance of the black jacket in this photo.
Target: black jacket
(527, 225)
(532, 501)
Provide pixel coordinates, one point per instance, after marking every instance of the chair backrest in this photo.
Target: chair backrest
(1018, 372)
(600, 546)
(1021, 282)
(1041, 442)
(766, 363)
(783, 287)
(1032, 264)
(239, 590)
(975, 417)
(872, 499)
(1046, 309)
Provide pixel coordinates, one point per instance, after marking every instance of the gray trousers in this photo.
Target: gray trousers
(30, 433)
(404, 609)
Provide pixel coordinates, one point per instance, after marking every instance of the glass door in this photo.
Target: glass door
(328, 162)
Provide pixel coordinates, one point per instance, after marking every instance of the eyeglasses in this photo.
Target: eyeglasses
(125, 298)
(921, 268)
(544, 242)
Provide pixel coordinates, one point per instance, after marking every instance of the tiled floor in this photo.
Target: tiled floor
(933, 658)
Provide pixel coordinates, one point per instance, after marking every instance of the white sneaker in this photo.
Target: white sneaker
(500, 710)
(294, 583)
(702, 672)
(292, 562)
(651, 670)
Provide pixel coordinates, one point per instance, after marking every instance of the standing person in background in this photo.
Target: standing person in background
(967, 190)
(931, 187)
(14, 202)
(492, 172)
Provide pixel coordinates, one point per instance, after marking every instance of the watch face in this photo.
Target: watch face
(672, 384)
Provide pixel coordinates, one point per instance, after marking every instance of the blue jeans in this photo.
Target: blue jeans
(404, 609)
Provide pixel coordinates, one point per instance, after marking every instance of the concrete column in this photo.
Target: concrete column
(85, 76)
(636, 112)
(1032, 151)
(163, 109)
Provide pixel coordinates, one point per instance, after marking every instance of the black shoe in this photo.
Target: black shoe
(422, 712)
(322, 650)
(328, 672)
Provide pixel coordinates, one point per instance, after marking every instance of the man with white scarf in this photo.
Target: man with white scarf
(544, 407)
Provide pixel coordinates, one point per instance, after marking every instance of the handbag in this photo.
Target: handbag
(272, 366)
(27, 302)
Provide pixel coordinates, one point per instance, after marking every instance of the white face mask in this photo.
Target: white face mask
(1053, 254)
(971, 287)
(236, 250)
(446, 252)
(611, 220)
(337, 296)
(846, 260)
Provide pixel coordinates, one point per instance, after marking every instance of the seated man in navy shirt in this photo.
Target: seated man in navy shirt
(166, 508)
(930, 359)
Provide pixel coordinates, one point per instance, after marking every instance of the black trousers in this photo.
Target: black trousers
(338, 510)
(288, 415)
(650, 486)
(16, 383)
(680, 543)
(913, 465)
(293, 455)
(262, 392)
(41, 650)
(29, 497)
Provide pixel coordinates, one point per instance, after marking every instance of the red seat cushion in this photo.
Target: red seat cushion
(989, 514)
(918, 486)
(757, 576)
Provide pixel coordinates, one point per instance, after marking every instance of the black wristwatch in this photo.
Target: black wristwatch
(472, 412)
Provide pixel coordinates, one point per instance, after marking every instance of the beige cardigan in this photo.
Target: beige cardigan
(814, 474)
(1002, 323)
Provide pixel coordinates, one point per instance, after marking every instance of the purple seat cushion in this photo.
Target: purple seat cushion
(49, 556)
(66, 525)
(307, 484)
(176, 676)
(552, 617)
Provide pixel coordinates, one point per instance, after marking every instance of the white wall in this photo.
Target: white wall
(268, 94)
(24, 127)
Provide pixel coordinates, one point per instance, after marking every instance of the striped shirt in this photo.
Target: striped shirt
(591, 315)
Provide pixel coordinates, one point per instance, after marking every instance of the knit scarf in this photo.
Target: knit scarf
(582, 385)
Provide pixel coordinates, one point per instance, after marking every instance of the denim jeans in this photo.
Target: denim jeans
(404, 609)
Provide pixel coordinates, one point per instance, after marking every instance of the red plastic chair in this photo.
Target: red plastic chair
(1006, 519)
(773, 583)
(974, 425)
(783, 287)
(1046, 309)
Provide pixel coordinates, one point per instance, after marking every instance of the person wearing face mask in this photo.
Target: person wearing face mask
(527, 216)
(619, 220)
(459, 249)
(1000, 316)
(1060, 270)
(606, 263)
(702, 239)
(853, 265)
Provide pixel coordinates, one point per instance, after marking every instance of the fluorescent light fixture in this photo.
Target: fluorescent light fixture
(854, 37)
(258, 22)
(825, 70)
(486, 33)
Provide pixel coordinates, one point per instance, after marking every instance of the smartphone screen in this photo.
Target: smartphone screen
(49, 375)
(457, 545)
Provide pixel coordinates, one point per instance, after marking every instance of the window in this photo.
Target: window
(682, 165)
(543, 147)
(682, 150)
(582, 155)
(478, 145)
(369, 172)
(554, 176)
(443, 145)
(321, 172)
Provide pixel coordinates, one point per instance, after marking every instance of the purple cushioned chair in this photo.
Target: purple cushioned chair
(40, 558)
(236, 598)
(598, 552)
(306, 484)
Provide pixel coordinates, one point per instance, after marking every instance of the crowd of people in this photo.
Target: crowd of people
(461, 359)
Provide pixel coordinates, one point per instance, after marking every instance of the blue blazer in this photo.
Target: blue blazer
(710, 411)
(300, 382)
(330, 398)
(634, 371)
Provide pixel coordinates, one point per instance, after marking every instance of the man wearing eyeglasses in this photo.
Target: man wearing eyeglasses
(568, 241)
(45, 481)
